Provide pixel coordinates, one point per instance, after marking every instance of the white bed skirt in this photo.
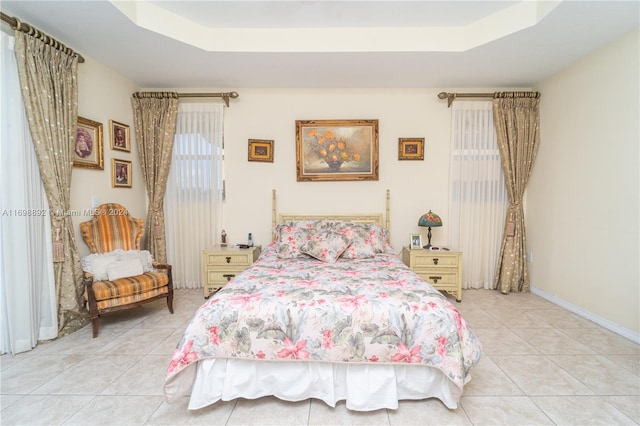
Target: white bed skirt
(364, 387)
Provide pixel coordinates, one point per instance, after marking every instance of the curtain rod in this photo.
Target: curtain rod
(450, 97)
(16, 24)
(225, 95)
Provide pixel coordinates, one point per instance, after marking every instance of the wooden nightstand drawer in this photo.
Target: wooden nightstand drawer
(440, 278)
(430, 260)
(222, 264)
(219, 258)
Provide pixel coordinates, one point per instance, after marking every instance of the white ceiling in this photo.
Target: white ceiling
(386, 44)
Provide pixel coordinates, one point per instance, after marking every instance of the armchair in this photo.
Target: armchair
(117, 275)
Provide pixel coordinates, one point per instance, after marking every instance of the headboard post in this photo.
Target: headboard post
(273, 215)
(387, 217)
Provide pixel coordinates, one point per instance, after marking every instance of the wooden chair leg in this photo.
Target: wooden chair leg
(94, 326)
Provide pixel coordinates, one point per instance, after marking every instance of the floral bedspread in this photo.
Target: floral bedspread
(351, 311)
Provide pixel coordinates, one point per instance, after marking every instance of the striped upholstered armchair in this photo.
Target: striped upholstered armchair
(117, 274)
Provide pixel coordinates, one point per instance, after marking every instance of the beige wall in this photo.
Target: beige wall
(416, 186)
(104, 95)
(583, 213)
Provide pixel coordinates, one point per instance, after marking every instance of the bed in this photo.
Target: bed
(328, 311)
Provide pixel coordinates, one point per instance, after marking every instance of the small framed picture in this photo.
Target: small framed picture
(87, 149)
(121, 173)
(120, 140)
(416, 241)
(411, 149)
(261, 150)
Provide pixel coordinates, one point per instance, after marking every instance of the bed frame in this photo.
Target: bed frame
(375, 218)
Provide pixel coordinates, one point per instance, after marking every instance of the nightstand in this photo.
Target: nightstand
(222, 264)
(442, 269)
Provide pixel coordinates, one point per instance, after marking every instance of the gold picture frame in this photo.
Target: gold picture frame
(121, 173)
(87, 147)
(415, 241)
(120, 139)
(411, 149)
(336, 150)
(261, 150)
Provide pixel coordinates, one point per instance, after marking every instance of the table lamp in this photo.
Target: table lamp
(429, 220)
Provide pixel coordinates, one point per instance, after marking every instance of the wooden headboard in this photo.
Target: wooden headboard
(375, 218)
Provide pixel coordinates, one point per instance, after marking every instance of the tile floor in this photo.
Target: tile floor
(541, 365)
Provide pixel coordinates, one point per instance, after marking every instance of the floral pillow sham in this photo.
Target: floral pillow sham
(366, 240)
(326, 246)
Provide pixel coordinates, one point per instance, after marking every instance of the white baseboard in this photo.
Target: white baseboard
(609, 325)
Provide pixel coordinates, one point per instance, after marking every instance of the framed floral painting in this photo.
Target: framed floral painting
(411, 149)
(261, 150)
(87, 147)
(336, 150)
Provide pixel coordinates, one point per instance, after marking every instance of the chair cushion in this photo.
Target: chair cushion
(128, 290)
(111, 303)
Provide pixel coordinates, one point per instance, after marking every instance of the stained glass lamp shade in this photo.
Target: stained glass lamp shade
(429, 220)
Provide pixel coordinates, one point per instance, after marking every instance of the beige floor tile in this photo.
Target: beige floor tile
(322, 414)
(537, 375)
(131, 410)
(561, 319)
(503, 410)
(425, 413)
(581, 410)
(145, 377)
(602, 376)
(43, 409)
(551, 341)
(628, 405)
(488, 379)
(178, 414)
(603, 341)
(32, 372)
(502, 341)
(630, 362)
(137, 341)
(269, 411)
(90, 376)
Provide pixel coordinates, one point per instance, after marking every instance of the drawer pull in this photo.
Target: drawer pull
(435, 260)
(228, 259)
(435, 279)
(228, 276)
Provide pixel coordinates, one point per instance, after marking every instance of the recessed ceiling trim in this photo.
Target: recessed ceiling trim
(336, 39)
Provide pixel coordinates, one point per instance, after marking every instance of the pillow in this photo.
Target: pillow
(96, 264)
(124, 268)
(290, 236)
(361, 247)
(326, 246)
(143, 255)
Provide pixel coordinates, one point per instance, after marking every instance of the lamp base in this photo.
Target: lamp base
(428, 246)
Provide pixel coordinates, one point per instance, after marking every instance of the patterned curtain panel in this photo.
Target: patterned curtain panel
(478, 199)
(517, 120)
(193, 203)
(154, 116)
(48, 78)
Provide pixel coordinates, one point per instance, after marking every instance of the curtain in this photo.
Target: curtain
(193, 203)
(478, 198)
(517, 121)
(49, 83)
(154, 116)
(28, 310)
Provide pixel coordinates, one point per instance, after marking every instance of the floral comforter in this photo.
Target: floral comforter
(351, 311)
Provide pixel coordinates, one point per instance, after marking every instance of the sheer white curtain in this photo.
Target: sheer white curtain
(479, 201)
(193, 202)
(27, 287)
